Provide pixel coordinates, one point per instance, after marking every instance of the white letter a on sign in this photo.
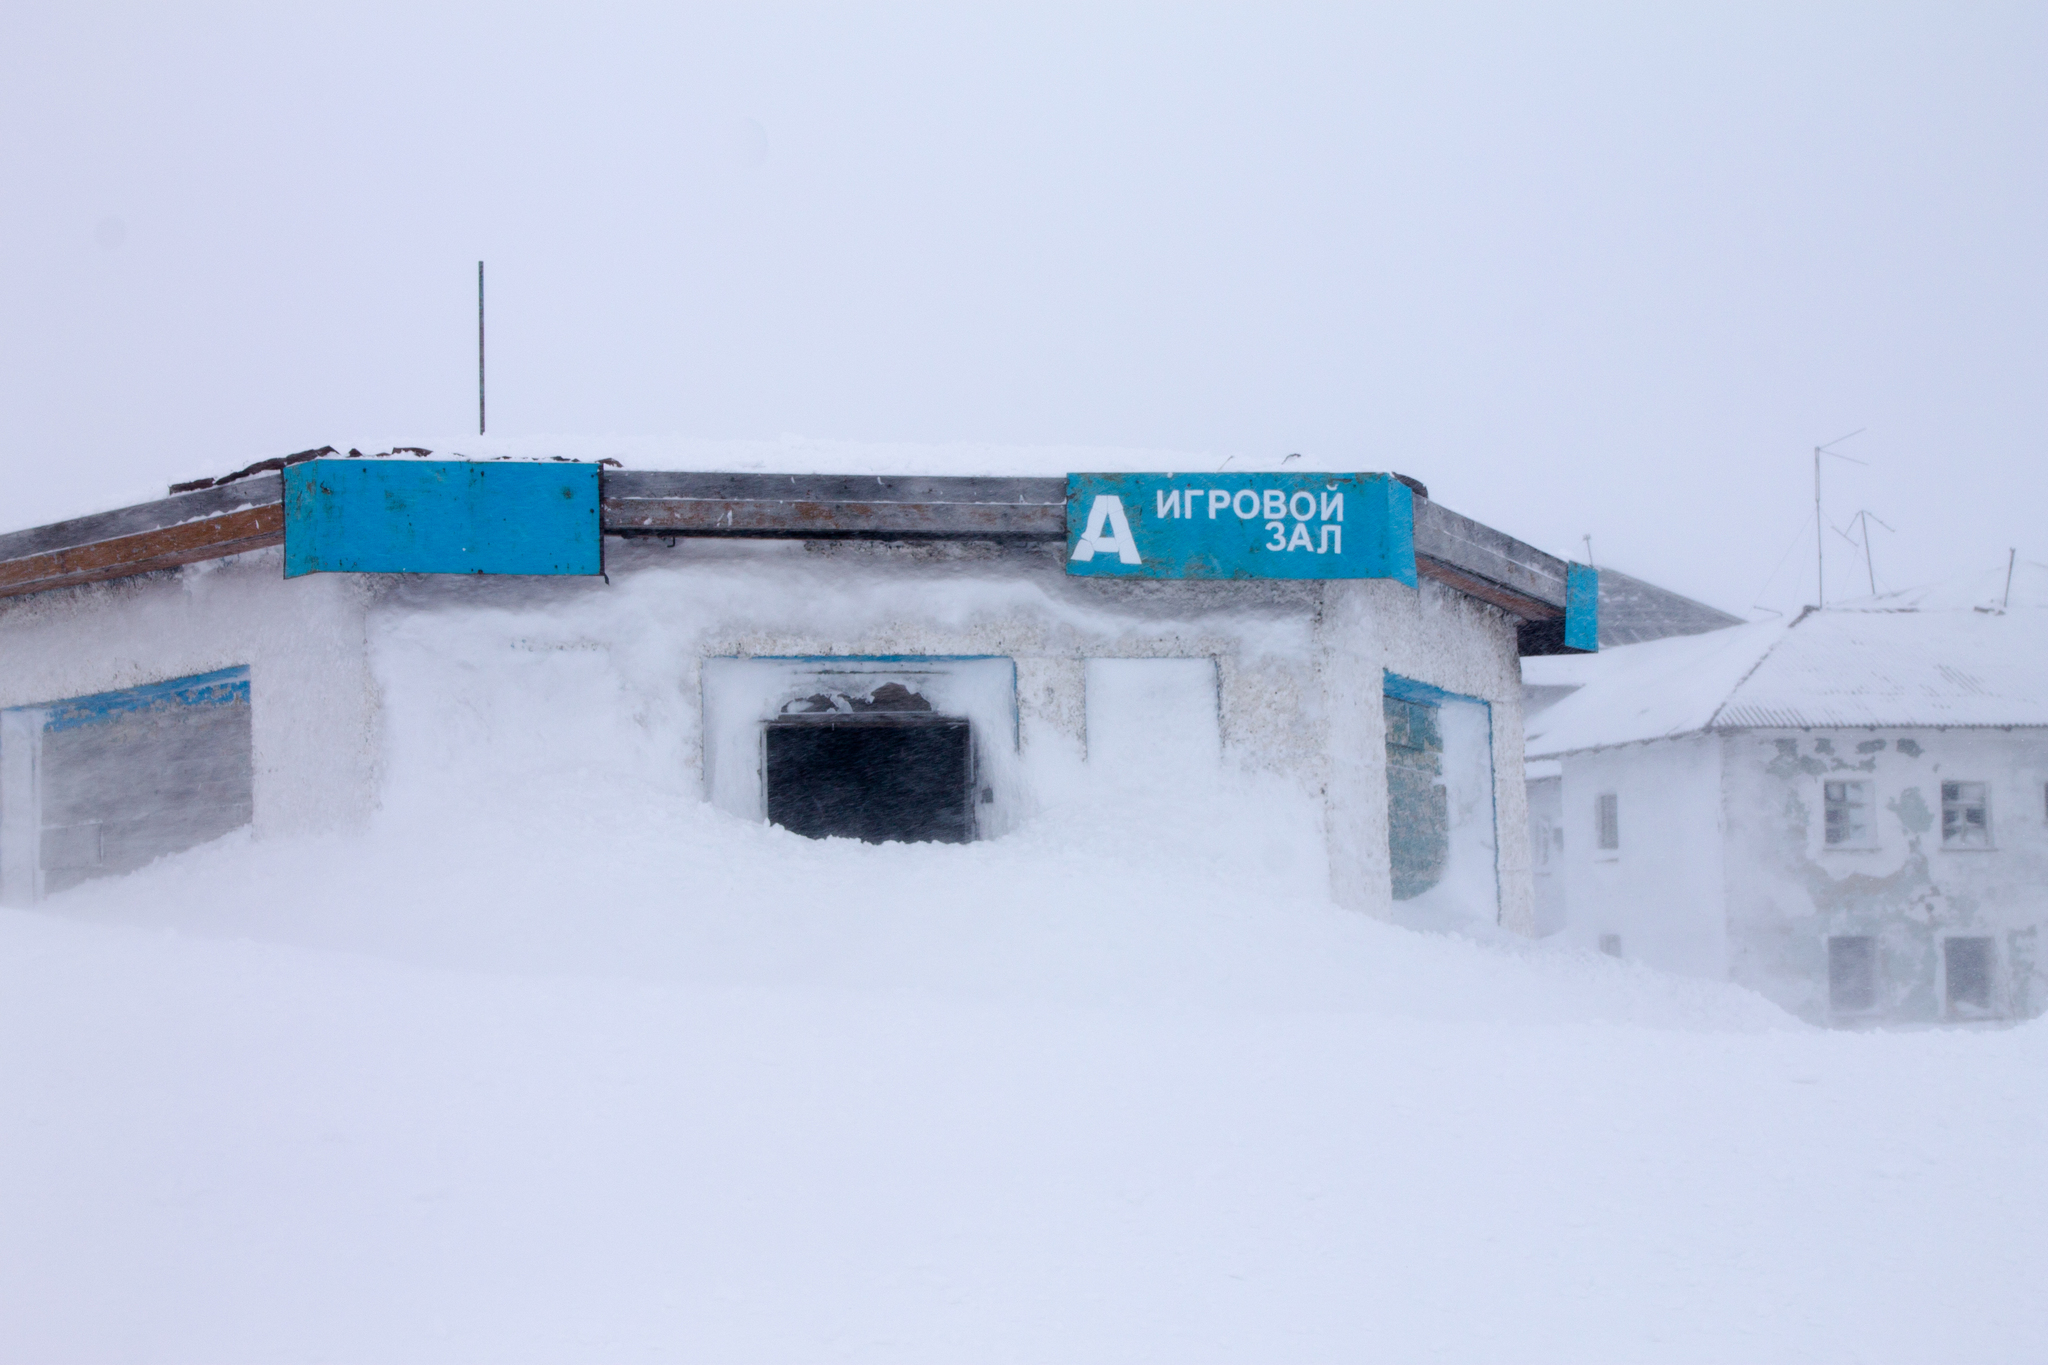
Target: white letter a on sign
(1108, 530)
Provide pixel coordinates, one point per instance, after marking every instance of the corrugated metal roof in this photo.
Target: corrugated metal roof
(1828, 669)
(1632, 612)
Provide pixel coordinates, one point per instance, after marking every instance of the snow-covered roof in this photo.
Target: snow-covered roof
(2023, 584)
(1848, 668)
(808, 455)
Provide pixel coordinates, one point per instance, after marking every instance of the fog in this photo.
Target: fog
(1586, 272)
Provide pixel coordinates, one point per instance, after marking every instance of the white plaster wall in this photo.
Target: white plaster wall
(1432, 635)
(313, 706)
(1546, 852)
(1788, 892)
(1662, 890)
(1298, 665)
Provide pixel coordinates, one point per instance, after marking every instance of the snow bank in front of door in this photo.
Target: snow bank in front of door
(557, 1061)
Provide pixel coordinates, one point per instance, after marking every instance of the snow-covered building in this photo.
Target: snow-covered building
(881, 654)
(1847, 812)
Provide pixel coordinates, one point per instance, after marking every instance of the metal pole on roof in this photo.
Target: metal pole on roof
(479, 348)
(1820, 526)
(1820, 536)
(2012, 557)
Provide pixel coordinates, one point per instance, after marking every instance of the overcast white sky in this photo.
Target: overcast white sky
(1610, 271)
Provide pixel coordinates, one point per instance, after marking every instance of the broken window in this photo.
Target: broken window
(1965, 815)
(1966, 969)
(880, 767)
(1852, 974)
(896, 747)
(1607, 815)
(99, 785)
(1418, 804)
(1847, 814)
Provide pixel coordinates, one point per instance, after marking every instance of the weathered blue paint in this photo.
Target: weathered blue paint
(1429, 694)
(1582, 607)
(1240, 526)
(441, 516)
(224, 687)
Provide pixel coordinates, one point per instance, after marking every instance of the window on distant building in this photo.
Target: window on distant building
(1848, 814)
(1966, 969)
(1607, 815)
(1965, 815)
(1852, 974)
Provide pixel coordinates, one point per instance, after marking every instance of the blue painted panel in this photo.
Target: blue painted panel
(1240, 526)
(225, 687)
(1429, 694)
(1582, 608)
(441, 516)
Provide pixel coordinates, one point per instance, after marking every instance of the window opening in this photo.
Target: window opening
(1847, 814)
(1852, 974)
(1966, 965)
(1965, 815)
(1418, 803)
(105, 784)
(1607, 814)
(880, 768)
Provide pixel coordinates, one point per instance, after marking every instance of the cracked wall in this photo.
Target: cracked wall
(1790, 890)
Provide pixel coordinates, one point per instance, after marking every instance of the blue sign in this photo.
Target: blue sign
(441, 516)
(1582, 607)
(1241, 526)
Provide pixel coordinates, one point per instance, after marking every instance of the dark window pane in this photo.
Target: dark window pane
(1852, 974)
(1418, 805)
(876, 780)
(1968, 967)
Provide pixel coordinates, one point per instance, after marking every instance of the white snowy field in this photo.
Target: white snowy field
(556, 1063)
(604, 1077)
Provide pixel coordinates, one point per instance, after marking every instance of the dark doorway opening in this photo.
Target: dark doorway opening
(876, 778)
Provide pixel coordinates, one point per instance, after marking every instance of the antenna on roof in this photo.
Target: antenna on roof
(1820, 526)
(1588, 538)
(479, 348)
(1865, 516)
(2011, 558)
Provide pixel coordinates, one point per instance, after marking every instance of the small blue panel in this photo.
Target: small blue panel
(441, 516)
(1428, 694)
(1241, 526)
(226, 687)
(1582, 608)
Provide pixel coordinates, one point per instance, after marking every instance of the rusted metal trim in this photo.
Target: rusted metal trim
(1507, 599)
(251, 528)
(834, 506)
(808, 519)
(1488, 555)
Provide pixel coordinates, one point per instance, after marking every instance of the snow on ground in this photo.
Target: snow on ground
(555, 1063)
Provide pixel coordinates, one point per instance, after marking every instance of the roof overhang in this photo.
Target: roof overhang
(247, 513)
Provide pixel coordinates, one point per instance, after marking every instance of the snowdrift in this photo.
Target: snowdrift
(555, 1061)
